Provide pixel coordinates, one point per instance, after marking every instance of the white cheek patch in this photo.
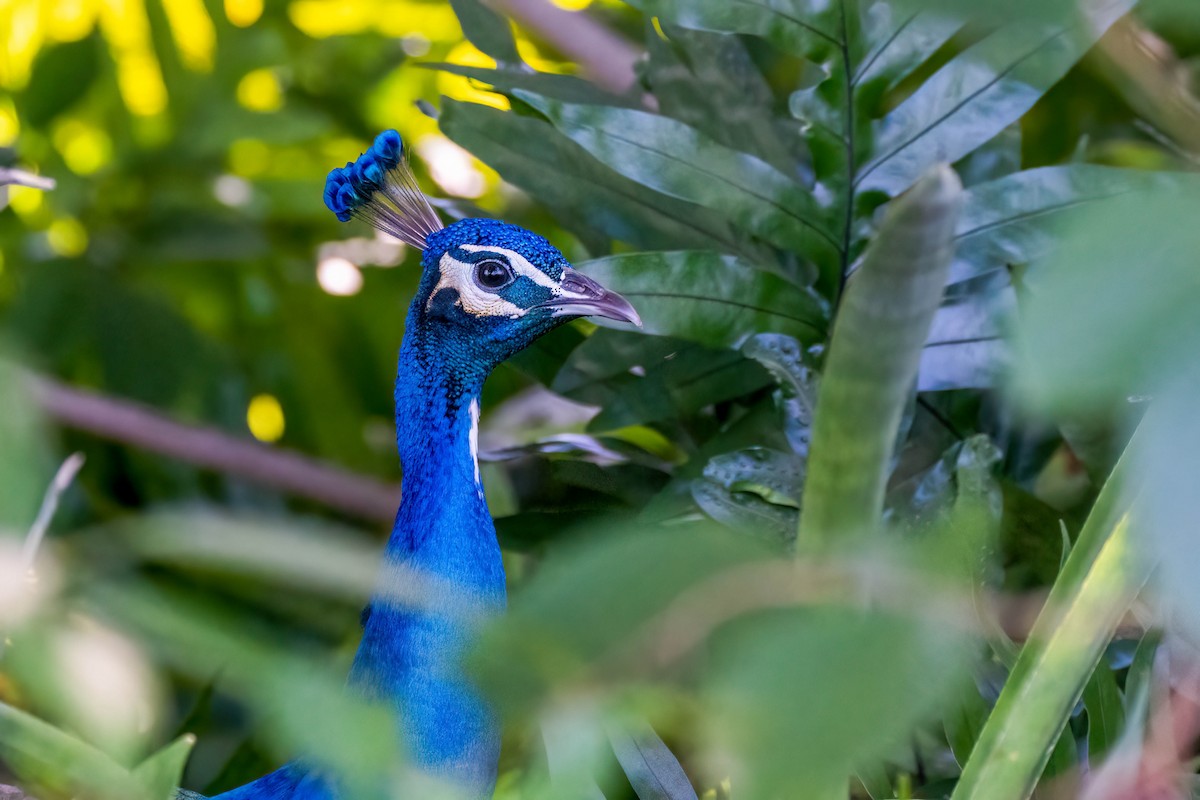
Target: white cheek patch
(459, 275)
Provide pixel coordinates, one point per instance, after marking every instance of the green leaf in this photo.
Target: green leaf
(783, 357)
(61, 76)
(755, 490)
(652, 769)
(965, 348)
(798, 717)
(1105, 712)
(794, 25)
(162, 773)
(54, 758)
(487, 30)
(981, 92)
(709, 81)
(1097, 585)
(530, 154)
(712, 299)
(1017, 219)
(25, 466)
(1071, 355)
(682, 162)
(874, 354)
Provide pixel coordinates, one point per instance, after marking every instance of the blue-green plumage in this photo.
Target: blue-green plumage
(487, 290)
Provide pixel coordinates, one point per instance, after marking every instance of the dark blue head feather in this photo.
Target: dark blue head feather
(379, 187)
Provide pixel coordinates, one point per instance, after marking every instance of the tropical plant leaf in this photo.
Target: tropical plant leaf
(487, 30)
(682, 162)
(794, 26)
(783, 356)
(55, 758)
(1096, 586)
(756, 490)
(979, 93)
(563, 176)
(709, 298)
(874, 354)
(162, 772)
(651, 767)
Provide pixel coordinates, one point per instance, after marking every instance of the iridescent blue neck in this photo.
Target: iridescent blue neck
(409, 656)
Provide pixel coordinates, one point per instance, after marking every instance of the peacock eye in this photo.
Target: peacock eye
(492, 274)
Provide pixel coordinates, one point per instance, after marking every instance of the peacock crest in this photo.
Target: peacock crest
(379, 188)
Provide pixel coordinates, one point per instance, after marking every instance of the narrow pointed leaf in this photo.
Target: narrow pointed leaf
(874, 354)
(55, 757)
(162, 772)
(652, 769)
(1098, 583)
(980, 93)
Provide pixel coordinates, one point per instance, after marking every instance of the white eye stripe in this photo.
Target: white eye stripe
(519, 263)
(460, 276)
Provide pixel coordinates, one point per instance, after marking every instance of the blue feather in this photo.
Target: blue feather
(379, 188)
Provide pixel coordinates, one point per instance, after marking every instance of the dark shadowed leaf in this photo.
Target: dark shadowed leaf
(531, 155)
(682, 162)
(487, 30)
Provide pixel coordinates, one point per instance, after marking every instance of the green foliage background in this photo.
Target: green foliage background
(729, 193)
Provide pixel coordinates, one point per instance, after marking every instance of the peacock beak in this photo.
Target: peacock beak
(581, 296)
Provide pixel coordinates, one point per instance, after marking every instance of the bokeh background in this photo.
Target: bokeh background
(182, 310)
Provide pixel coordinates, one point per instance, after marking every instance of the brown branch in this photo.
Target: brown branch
(1151, 78)
(136, 425)
(606, 57)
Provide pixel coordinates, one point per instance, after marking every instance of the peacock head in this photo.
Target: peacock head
(487, 288)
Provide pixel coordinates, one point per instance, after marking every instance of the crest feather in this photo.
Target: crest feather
(379, 188)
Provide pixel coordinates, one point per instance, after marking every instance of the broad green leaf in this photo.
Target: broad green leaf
(874, 354)
(756, 491)
(793, 25)
(783, 356)
(1090, 334)
(162, 773)
(1095, 588)
(709, 298)
(488, 30)
(1017, 219)
(709, 81)
(965, 348)
(979, 93)
(52, 757)
(650, 766)
(795, 713)
(682, 162)
(559, 173)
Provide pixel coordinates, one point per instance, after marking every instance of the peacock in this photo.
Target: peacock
(487, 290)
